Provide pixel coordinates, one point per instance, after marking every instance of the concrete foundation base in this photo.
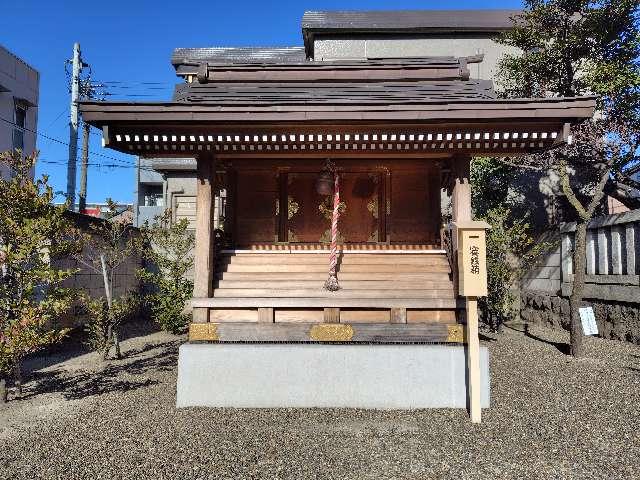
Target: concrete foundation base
(320, 375)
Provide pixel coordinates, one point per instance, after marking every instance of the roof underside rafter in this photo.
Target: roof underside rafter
(481, 139)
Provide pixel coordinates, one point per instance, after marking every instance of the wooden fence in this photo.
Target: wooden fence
(612, 264)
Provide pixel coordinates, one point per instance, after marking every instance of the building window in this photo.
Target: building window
(20, 120)
(153, 196)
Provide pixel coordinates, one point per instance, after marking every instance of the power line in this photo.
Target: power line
(131, 87)
(58, 117)
(56, 140)
(98, 164)
(119, 82)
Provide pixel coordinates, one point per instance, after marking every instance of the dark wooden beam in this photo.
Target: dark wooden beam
(327, 332)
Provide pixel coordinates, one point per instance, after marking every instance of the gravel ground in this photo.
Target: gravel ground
(552, 417)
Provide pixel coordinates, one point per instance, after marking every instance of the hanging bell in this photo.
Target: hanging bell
(324, 184)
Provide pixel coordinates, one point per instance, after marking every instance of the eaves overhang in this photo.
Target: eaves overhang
(479, 127)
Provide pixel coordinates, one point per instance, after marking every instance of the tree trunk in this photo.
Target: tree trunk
(107, 343)
(3, 391)
(114, 331)
(579, 278)
(116, 344)
(17, 372)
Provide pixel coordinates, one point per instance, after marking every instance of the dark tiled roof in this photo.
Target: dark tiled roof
(326, 93)
(223, 55)
(403, 21)
(388, 69)
(338, 82)
(399, 20)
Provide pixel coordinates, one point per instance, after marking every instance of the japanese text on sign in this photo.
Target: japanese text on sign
(475, 259)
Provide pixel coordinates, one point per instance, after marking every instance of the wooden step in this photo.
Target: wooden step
(328, 302)
(320, 292)
(344, 284)
(322, 276)
(349, 247)
(344, 260)
(391, 268)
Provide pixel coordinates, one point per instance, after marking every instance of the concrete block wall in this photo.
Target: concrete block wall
(90, 280)
(371, 46)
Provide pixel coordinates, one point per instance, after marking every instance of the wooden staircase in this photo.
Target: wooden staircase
(376, 287)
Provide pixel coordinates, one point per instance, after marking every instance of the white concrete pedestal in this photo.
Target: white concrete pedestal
(320, 375)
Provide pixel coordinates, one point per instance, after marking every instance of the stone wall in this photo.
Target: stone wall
(616, 320)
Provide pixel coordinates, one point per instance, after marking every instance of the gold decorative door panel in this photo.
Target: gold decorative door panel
(309, 214)
(304, 220)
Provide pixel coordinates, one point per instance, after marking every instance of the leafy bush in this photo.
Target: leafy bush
(167, 307)
(108, 245)
(168, 249)
(510, 252)
(103, 321)
(33, 231)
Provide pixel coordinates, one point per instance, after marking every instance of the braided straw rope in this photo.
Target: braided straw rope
(332, 282)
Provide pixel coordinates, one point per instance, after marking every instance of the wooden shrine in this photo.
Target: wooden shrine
(399, 133)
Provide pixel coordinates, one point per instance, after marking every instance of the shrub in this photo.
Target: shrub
(103, 321)
(510, 252)
(33, 231)
(168, 250)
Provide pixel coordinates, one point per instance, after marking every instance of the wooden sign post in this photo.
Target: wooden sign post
(472, 283)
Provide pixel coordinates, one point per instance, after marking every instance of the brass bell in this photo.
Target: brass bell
(324, 183)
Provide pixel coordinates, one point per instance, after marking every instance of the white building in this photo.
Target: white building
(19, 89)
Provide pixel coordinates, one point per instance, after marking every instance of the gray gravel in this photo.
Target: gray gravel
(551, 417)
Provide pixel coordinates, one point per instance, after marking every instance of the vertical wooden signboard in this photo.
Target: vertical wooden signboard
(472, 283)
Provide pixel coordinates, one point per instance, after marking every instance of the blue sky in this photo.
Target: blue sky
(130, 42)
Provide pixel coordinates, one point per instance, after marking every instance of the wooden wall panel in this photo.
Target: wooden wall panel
(257, 193)
(415, 206)
(413, 194)
(359, 191)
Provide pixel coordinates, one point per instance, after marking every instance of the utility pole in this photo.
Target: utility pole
(82, 196)
(73, 127)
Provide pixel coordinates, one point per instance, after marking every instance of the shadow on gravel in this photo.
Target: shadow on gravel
(81, 384)
(486, 338)
(73, 345)
(562, 347)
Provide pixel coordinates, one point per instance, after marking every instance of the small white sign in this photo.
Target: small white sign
(589, 325)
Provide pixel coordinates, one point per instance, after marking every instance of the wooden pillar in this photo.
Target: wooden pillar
(461, 193)
(461, 212)
(331, 315)
(473, 360)
(398, 315)
(204, 250)
(265, 315)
